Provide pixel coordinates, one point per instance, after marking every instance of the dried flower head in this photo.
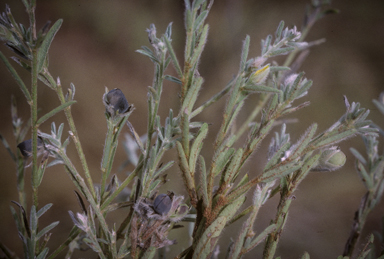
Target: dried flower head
(154, 219)
(115, 102)
(25, 147)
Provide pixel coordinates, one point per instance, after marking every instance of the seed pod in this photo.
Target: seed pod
(115, 102)
(259, 76)
(25, 147)
(162, 204)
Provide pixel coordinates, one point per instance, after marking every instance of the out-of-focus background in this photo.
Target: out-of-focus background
(95, 47)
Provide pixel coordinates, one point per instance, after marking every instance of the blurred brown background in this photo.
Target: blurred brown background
(96, 47)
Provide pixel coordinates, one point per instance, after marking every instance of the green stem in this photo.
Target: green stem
(107, 154)
(367, 204)
(245, 126)
(80, 183)
(35, 176)
(73, 234)
(152, 170)
(122, 186)
(153, 107)
(75, 137)
(227, 118)
(214, 99)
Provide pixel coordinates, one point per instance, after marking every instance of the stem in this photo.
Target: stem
(75, 138)
(281, 217)
(153, 107)
(32, 21)
(79, 182)
(21, 181)
(122, 186)
(214, 99)
(107, 154)
(359, 221)
(71, 123)
(262, 102)
(35, 177)
(73, 234)
(229, 109)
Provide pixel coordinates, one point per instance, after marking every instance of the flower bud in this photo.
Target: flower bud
(115, 102)
(260, 75)
(25, 147)
(331, 159)
(257, 62)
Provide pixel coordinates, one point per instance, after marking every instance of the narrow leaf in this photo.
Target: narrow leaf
(164, 168)
(136, 137)
(280, 171)
(243, 180)
(173, 56)
(184, 166)
(190, 98)
(196, 146)
(266, 44)
(200, 47)
(209, 238)
(20, 82)
(148, 54)
(261, 88)
(173, 79)
(279, 31)
(8, 148)
(335, 138)
(196, 3)
(244, 54)
(233, 166)
(204, 185)
(200, 19)
(306, 167)
(60, 131)
(279, 68)
(257, 240)
(379, 106)
(24, 215)
(54, 111)
(358, 156)
(222, 160)
(43, 210)
(46, 229)
(281, 51)
(43, 254)
(43, 50)
(294, 87)
(365, 177)
(298, 148)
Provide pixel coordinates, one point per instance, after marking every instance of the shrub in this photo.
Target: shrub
(216, 185)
